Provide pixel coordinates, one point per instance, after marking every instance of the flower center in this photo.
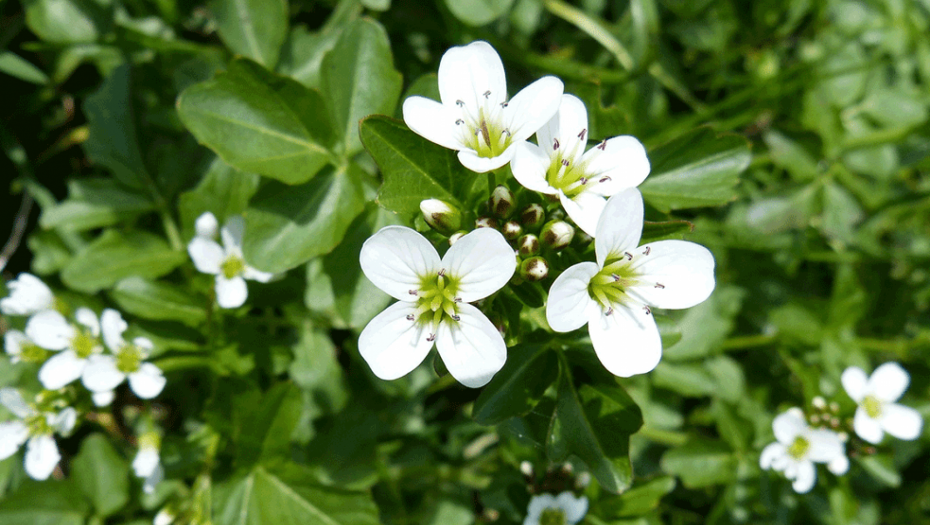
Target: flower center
(437, 299)
(232, 266)
(799, 448)
(872, 406)
(84, 344)
(571, 177)
(129, 359)
(31, 353)
(482, 131)
(552, 517)
(38, 425)
(609, 286)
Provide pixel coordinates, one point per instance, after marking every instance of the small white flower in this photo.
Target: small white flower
(225, 262)
(75, 344)
(876, 395)
(614, 296)
(105, 372)
(28, 295)
(564, 509)
(799, 447)
(35, 429)
(433, 294)
(164, 517)
(20, 348)
(559, 165)
(147, 464)
(475, 118)
(103, 399)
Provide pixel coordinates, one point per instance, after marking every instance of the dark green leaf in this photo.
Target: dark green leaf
(266, 429)
(656, 231)
(478, 12)
(639, 500)
(95, 203)
(224, 191)
(16, 66)
(303, 53)
(102, 475)
(158, 301)
(115, 256)
(700, 463)
(252, 28)
(519, 386)
(68, 21)
(46, 503)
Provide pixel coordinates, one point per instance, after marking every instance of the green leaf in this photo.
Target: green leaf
(519, 386)
(95, 203)
(252, 28)
(697, 169)
(657, 231)
(638, 501)
(316, 369)
(260, 122)
(303, 53)
(705, 326)
(116, 255)
(68, 21)
(224, 191)
(414, 169)
(700, 463)
(288, 225)
(687, 379)
(18, 67)
(265, 431)
(158, 301)
(286, 496)
(478, 12)
(102, 475)
(46, 503)
(360, 79)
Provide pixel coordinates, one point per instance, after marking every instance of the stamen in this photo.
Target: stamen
(442, 271)
(628, 255)
(615, 277)
(565, 162)
(583, 180)
(413, 292)
(610, 310)
(604, 179)
(603, 145)
(582, 134)
(555, 144)
(504, 104)
(410, 317)
(648, 249)
(660, 286)
(487, 93)
(648, 310)
(456, 318)
(431, 337)
(459, 122)
(459, 103)
(457, 299)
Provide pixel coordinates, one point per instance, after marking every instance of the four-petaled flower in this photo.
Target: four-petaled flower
(433, 302)
(35, 428)
(224, 261)
(559, 165)
(475, 118)
(564, 509)
(614, 296)
(75, 344)
(104, 372)
(876, 395)
(28, 295)
(799, 446)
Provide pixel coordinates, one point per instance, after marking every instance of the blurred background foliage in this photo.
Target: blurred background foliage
(822, 251)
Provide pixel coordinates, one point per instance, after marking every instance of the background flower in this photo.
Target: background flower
(877, 412)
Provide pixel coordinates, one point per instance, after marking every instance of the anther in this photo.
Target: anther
(459, 122)
(457, 300)
(660, 286)
(487, 93)
(615, 277)
(603, 145)
(555, 144)
(565, 162)
(410, 317)
(504, 104)
(582, 134)
(413, 292)
(610, 310)
(648, 310)
(604, 179)
(442, 272)
(505, 132)
(628, 255)
(583, 180)
(459, 103)
(431, 338)
(648, 249)
(456, 318)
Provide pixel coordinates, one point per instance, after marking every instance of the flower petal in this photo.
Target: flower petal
(113, 326)
(28, 295)
(901, 422)
(531, 108)
(472, 161)
(103, 399)
(789, 425)
(12, 436)
(231, 293)
(145, 462)
(529, 167)
(87, 318)
(675, 274)
(839, 465)
(61, 369)
(623, 159)
(570, 306)
(50, 330)
(585, 209)
(805, 477)
(207, 255)
(100, 373)
(466, 73)
(888, 382)
(396, 258)
(148, 381)
(13, 342)
(256, 275)
(772, 454)
(64, 421)
(231, 233)
(825, 446)
(153, 479)
(569, 126)
(537, 505)
(206, 225)
(620, 226)
(627, 341)
(14, 402)
(867, 428)
(575, 508)
(41, 457)
(471, 348)
(481, 261)
(391, 344)
(855, 382)
(433, 121)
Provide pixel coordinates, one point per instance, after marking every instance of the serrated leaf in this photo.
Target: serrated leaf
(158, 301)
(116, 255)
(519, 386)
(253, 28)
(102, 475)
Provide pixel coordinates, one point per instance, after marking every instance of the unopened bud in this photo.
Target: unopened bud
(528, 245)
(582, 481)
(532, 216)
(486, 222)
(834, 407)
(502, 202)
(511, 230)
(456, 236)
(534, 269)
(526, 468)
(819, 402)
(557, 234)
(441, 216)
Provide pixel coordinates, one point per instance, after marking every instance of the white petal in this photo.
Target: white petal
(112, 325)
(570, 306)
(61, 369)
(207, 255)
(620, 226)
(472, 161)
(87, 318)
(231, 293)
(100, 373)
(623, 159)
(145, 462)
(684, 270)
(805, 477)
(434, 121)
(471, 348)
(41, 457)
(888, 382)
(627, 341)
(901, 422)
(772, 454)
(867, 428)
(585, 209)
(529, 166)
(144, 343)
(64, 421)
(825, 446)
(855, 382)
(789, 425)
(396, 258)
(256, 275)
(50, 330)
(467, 72)
(391, 344)
(164, 517)
(232, 233)
(206, 225)
(13, 342)
(148, 381)
(153, 479)
(14, 402)
(569, 126)
(575, 508)
(531, 108)
(103, 399)
(28, 295)
(12, 436)
(481, 261)
(537, 505)
(839, 465)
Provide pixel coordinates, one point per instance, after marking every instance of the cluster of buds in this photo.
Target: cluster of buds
(823, 414)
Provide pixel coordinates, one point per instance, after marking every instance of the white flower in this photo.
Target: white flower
(28, 295)
(433, 307)
(146, 464)
(164, 517)
(559, 165)
(105, 372)
(35, 429)
(878, 413)
(564, 509)
(475, 118)
(799, 447)
(103, 399)
(75, 344)
(224, 261)
(20, 348)
(613, 296)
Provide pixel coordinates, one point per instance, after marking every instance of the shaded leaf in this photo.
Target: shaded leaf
(252, 28)
(519, 386)
(157, 300)
(102, 474)
(116, 255)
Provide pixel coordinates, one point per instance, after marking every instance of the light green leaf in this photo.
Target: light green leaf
(95, 203)
(157, 300)
(519, 386)
(224, 191)
(252, 28)
(69, 21)
(687, 379)
(700, 463)
(265, 431)
(303, 53)
(639, 500)
(705, 326)
(657, 231)
(316, 369)
(46, 503)
(16, 66)
(788, 154)
(478, 12)
(102, 475)
(115, 255)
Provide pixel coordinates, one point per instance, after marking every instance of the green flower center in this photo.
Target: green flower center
(30, 353)
(84, 343)
(483, 132)
(38, 425)
(872, 406)
(799, 448)
(552, 517)
(129, 359)
(609, 286)
(437, 299)
(232, 266)
(571, 176)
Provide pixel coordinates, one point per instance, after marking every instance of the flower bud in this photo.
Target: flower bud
(511, 230)
(528, 245)
(557, 234)
(534, 269)
(486, 222)
(532, 216)
(502, 202)
(441, 216)
(456, 236)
